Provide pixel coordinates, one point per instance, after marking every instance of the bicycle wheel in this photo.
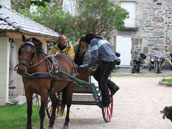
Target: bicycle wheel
(108, 111)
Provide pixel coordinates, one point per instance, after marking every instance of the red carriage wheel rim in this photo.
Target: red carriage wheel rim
(108, 111)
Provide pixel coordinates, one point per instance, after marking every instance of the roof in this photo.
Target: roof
(11, 20)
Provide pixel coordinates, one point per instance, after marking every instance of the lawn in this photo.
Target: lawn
(15, 117)
(167, 80)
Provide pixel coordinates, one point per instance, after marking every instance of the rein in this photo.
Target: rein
(39, 62)
(42, 75)
(52, 72)
(26, 64)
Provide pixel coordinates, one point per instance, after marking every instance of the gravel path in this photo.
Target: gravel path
(137, 105)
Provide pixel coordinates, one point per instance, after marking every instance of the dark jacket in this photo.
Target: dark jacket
(101, 50)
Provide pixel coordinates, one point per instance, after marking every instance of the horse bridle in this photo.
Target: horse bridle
(29, 64)
(24, 61)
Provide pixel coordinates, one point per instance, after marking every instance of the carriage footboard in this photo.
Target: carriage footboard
(83, 99)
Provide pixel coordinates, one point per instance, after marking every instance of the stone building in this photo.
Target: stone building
(148, 30)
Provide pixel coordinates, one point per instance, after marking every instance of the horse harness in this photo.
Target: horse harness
(51, 64)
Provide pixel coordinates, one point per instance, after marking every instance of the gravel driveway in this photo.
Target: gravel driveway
(137, 105)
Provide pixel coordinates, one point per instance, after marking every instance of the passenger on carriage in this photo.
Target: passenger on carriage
(101, 50)
(82, 52)
(63, 47)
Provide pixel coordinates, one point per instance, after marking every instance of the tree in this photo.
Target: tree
(26, 4)
(53, 18)
(20, 4)
(45, 2)
(97, 16)
(100, 17)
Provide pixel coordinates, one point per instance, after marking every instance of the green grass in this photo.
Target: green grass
(15, 117)
(167, 80)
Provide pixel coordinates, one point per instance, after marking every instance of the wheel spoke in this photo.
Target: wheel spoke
(50, 108)
(107, 111)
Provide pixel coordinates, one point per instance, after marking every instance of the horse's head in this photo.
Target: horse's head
(27, 54)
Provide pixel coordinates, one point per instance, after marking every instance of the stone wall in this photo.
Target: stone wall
(154, 23)
(154, 28)
(168, 26)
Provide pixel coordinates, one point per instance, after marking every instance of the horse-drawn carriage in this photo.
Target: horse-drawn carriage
(85, 92)
(53, 77)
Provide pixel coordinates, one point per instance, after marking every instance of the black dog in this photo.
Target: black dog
(167, 111)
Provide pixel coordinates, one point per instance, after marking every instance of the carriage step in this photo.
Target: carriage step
(84, 102)
(80, 97)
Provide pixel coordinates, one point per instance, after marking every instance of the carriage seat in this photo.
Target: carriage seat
(83, 74)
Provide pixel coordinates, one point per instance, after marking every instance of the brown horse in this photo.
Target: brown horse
(40, 75)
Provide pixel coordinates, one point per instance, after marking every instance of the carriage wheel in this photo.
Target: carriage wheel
(49, 107)
(38, 100)
(107, 111)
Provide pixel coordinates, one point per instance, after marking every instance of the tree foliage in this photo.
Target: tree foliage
(100, 16)
(20, 4)
(53, 18)
(26, 4)
(40, 2)
(97, 16)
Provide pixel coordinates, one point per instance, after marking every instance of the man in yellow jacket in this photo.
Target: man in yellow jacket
(63, 47)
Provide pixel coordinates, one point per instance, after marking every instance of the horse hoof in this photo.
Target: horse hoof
(65, 127)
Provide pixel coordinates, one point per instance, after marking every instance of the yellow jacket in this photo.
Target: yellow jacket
(69, 50)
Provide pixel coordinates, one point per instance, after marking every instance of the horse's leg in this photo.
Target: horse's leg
(29, 109)
(67, 115)
(44, 98)
(69, 91)
(54, 101)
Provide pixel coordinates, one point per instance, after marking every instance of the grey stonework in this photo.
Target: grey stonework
(154, 28)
